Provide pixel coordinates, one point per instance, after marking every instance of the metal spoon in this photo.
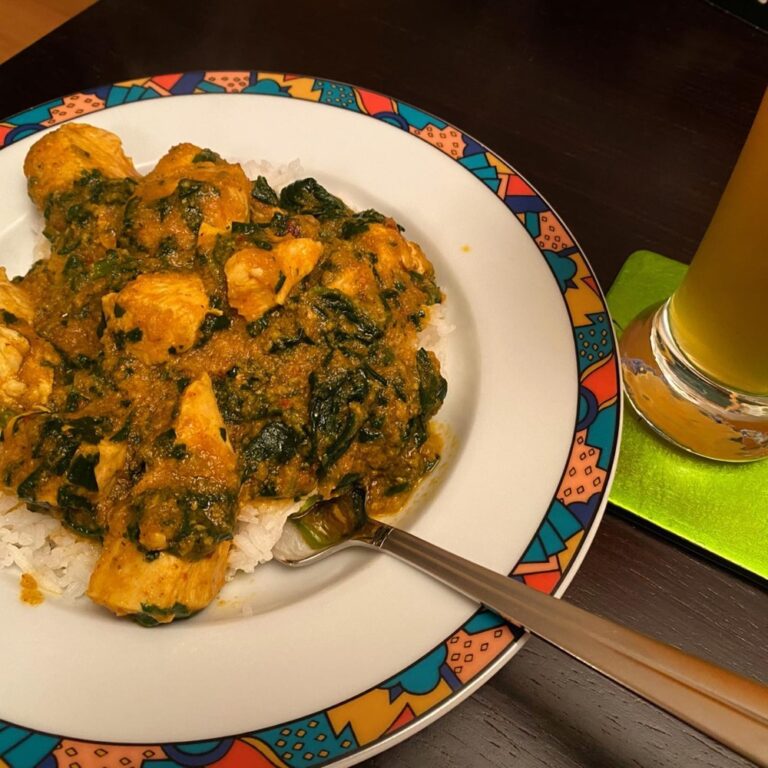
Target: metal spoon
(729, 708)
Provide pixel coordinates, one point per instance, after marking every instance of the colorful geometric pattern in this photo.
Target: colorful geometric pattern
(443, 673)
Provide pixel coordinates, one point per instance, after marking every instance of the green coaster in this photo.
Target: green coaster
(720, 507)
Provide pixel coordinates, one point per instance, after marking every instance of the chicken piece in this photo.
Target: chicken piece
(155, 591)
(80, 178)
(258, 280)
(354, 279)
(200, 428)
(190, 198)
(393, 251)
(196, 492)
(207, 236)
(187, 161)
(14, 299)
(26, 361)
(157, 315)
(14, 348)
(60, 158)
(207, 466)
(111, 460)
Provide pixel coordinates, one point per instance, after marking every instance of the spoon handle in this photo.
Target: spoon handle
(729, 708)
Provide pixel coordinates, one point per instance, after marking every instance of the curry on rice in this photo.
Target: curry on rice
(197, 342)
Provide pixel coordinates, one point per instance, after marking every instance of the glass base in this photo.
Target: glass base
(681, 403)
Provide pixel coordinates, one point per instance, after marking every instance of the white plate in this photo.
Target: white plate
(515, 484)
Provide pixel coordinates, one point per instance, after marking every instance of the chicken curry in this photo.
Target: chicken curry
(196, 342)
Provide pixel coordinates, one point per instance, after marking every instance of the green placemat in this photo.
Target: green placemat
(720, 507)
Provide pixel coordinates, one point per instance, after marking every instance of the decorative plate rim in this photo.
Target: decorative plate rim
(441, 678)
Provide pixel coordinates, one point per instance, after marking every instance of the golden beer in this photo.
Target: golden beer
(719, 314)
(695, 368)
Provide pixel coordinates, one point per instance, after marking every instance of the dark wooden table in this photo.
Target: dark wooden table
(628, 116)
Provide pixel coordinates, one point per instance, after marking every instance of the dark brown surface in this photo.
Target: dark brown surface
(628, 116)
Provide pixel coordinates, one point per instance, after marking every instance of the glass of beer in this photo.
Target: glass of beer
(696, 367)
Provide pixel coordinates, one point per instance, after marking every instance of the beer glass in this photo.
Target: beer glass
(696, 367)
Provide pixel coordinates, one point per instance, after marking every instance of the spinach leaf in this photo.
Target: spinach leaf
(81, 471)
(257, 327)
(78, 513)
(166, 446)
(68, 498)
(123, 433)
(416, 430)
(167, 247)
(333, 424)
(189, 196)
(253, 232)
(212, 323)
(358, 223)
(27, 490)
(262, 192)
(330, 302)
(75, 272)
(308, 197)
(56, 446)
(194, 522)
(78, 214)
(149, 612)
(371, 430)
(397, 488)
(240, 399)
(103, 191)
(208, 519)
(89, 429)
(432, 386)
(118, 266)
(275, 442)
(121, 338)
(432, 391)
(280, 224)
(427, 286)
(206, 156)
(70, 239)
(288, 342)
(74, 401)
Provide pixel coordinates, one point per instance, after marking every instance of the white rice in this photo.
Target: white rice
(42, 248)
(62, 562)
(258, 529)
(432, 336)
(39, 544)
(277, 175)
